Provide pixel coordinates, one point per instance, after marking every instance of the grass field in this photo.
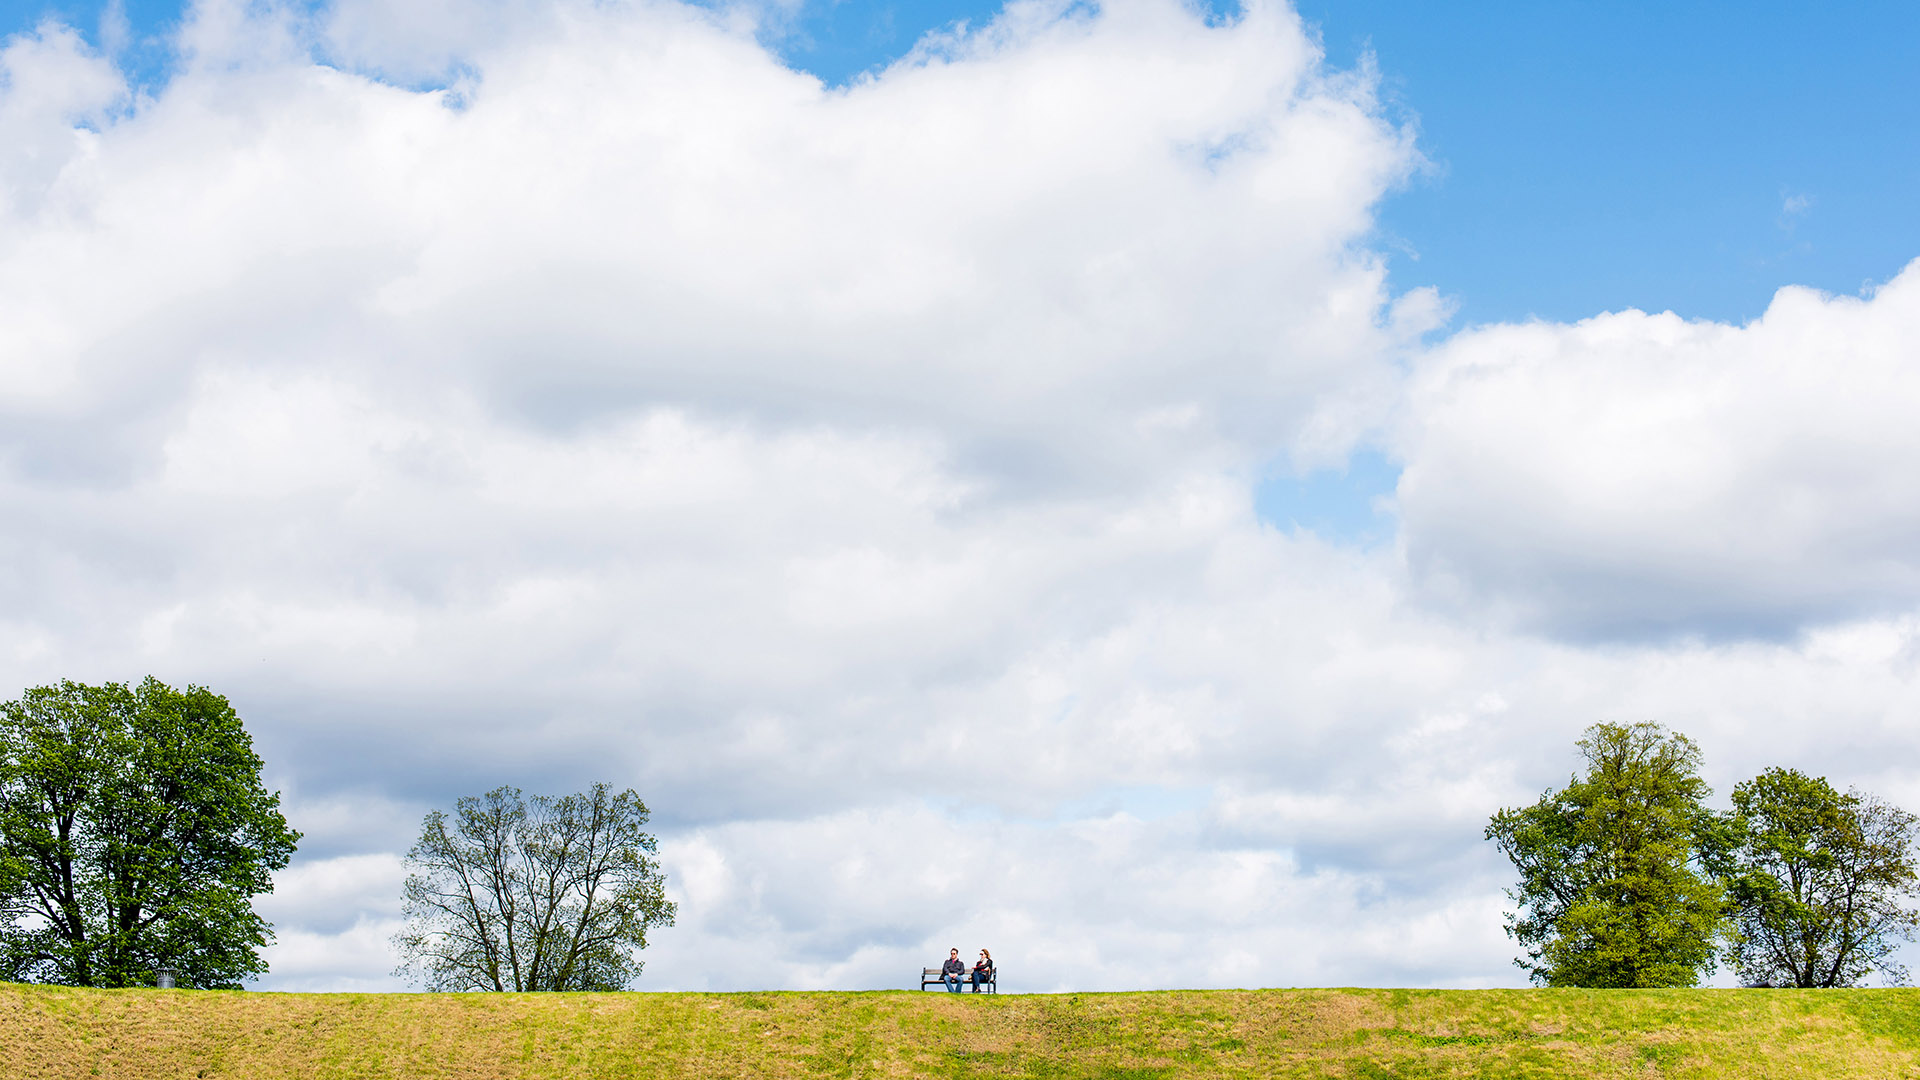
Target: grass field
(65, 1033)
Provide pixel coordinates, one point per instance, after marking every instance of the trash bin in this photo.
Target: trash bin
(163, 978)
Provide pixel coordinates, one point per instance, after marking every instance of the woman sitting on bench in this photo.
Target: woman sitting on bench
(982, 970)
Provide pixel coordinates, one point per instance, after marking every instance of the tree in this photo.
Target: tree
(1614, 889)
(546, 893)
(1821, 883)
(134, 833)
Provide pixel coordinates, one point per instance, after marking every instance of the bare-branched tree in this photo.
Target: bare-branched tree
(511, 893)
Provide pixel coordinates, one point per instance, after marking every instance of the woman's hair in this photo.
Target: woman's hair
(986, 954)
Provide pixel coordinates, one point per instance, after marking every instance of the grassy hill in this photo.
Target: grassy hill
(65, 1033)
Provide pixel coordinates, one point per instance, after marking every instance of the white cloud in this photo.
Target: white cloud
(326, 893)
(333, 918)
(868, 898)
(53, 89)
(636, 205)
(1638, 473)
(864, 476)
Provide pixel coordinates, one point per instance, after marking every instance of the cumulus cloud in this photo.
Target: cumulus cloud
(1635, 473)
(875, 894)
(53, 90)
(577, 393)
(636, 206)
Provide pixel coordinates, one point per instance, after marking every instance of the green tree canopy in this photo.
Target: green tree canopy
(134, 833)
(512, 893)
(1822, 883)
(1613, 889)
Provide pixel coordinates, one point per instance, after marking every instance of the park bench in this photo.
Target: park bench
(931, 977)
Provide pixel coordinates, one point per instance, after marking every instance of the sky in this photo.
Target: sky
(1132, 486)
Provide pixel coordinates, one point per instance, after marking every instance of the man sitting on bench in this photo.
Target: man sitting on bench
(951, 971)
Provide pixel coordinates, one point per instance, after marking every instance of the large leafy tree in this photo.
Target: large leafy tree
(134, 833)
(511, 893)
(1614, 888)
(1822, 883)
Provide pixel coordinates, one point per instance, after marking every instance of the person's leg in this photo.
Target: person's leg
(953, 983)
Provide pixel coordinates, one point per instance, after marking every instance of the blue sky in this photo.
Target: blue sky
(1597, 156)
(1691, 157)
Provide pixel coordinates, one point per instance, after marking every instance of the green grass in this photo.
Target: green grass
(1371, 1034)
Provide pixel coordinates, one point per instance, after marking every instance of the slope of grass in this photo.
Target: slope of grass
(66, 1033)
